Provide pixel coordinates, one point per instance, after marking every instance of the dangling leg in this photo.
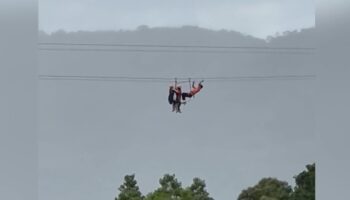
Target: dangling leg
(184, 95)
(174, 106)
(171, 95)
(171, 98)
(178, 107)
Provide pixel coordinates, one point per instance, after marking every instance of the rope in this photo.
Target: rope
(177, 80)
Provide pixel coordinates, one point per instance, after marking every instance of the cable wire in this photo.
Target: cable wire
(174, 51)
(179, 80)
(173, 46)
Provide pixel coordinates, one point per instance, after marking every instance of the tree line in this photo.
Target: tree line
(266, 189)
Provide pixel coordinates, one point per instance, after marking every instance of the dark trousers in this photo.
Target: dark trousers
(171, 97)
(176, 106)
(184, 95)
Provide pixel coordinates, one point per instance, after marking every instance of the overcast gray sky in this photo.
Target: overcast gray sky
(259, 18)
(18, 130)
(232, 134)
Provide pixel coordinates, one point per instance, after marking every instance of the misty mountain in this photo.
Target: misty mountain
(188, 35)
(303, 38)
(157, 61)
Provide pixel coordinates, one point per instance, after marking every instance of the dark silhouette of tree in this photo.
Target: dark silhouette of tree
(267, 189)
(305, 184)
(170, 189)
(197, 191)
(129, 190)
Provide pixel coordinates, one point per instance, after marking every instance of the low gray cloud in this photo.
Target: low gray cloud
(254, 17)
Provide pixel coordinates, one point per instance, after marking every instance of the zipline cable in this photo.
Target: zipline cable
(236, 51)
(177, 80)
(172, 46)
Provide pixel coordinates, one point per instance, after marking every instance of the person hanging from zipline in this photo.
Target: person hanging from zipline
(177, 103)
(177, 97)
(171, 95)
(174, 98)
(194, 90)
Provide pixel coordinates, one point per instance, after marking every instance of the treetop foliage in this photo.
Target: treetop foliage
(266, 189)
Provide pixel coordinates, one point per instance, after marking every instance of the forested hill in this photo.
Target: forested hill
(187, 35)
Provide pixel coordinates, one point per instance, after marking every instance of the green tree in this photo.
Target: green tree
(305, 184)
(267, 189)
(129, 190)
(197, 191)
(170, 189)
